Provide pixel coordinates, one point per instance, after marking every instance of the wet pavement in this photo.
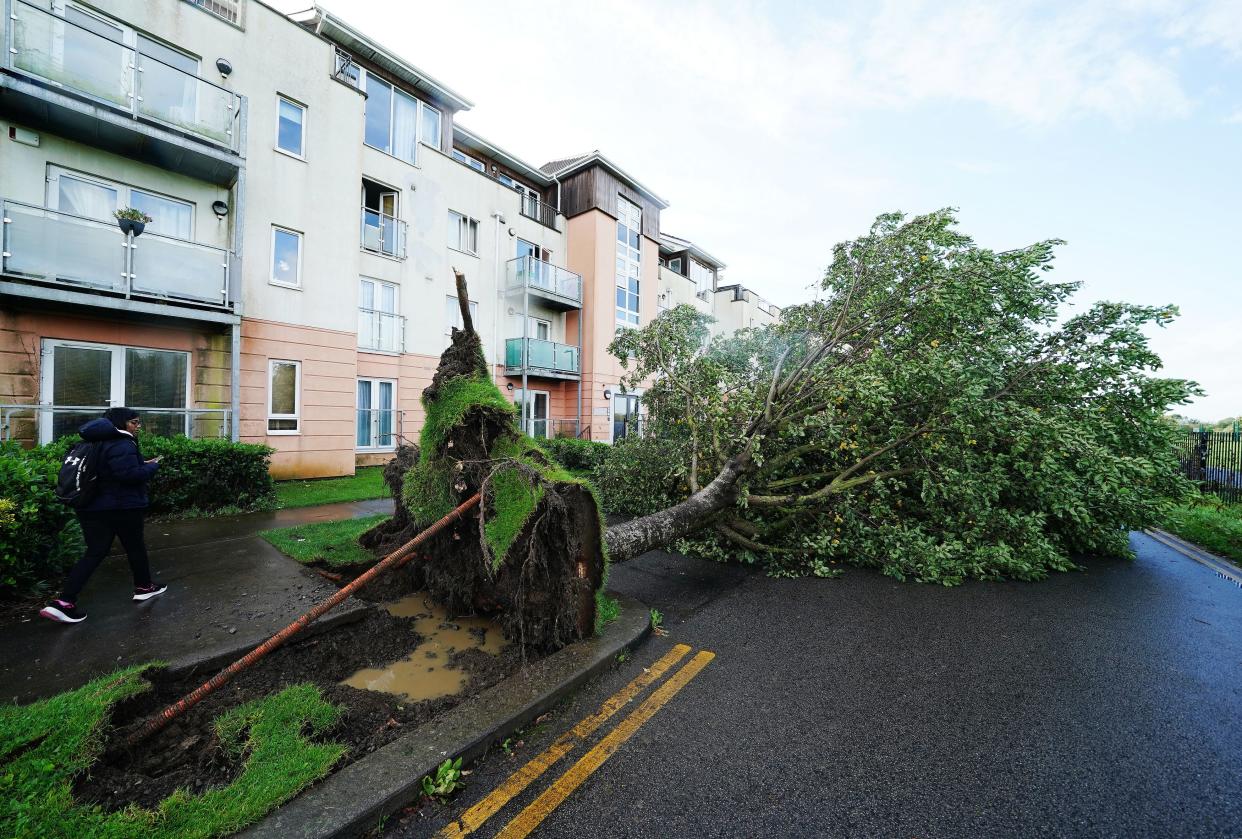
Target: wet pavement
(227, 590)
(1104, 703)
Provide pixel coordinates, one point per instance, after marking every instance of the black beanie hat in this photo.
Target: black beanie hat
(119, 416)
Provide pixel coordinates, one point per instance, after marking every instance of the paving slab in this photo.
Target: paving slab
(228, 591)
(352, 801)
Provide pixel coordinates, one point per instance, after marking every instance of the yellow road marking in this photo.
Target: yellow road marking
(473, 819)
(553, 796)
(1207, 561)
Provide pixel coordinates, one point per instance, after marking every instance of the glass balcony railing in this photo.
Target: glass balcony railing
(54, 247)
(383, 331)
(546, 356)
(91, 59)
(544, 276)
(383, 234)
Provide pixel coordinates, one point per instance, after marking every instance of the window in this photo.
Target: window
(382, 229)
(539, 329)
(395, 120)
(704, 278)
(290, 126)
(379, 325)
(377, 415)
(284, 396)
(626, 419)
(452, 314)
(629, 260)
(96, 376)
(477, 165)
(97, 198)
(463, 233)
(675, 264)
(286, 257)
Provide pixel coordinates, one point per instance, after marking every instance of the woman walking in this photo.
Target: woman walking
(117, 511)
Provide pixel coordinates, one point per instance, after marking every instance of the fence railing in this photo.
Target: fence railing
(544, 276)
(94, 63)
(56, 247)
(545, 429)
(383, 331)
(533, 208)
(383, 233)
(45, 423)
(1214, 460)
(541, 355)
(379, 428)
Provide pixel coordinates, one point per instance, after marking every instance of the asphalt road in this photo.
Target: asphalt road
(1101, 703)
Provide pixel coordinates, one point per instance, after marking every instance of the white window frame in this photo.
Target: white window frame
(47, 377)
(296, 416)
(280, 97)
(474, 163)
(124, 194)
(396, 314)
(674, 264)
(519, 402)
(533, 329)
(707, 276)
(627, 213)
(363, 76)
(375, 383)
(451, 304)
(464, 224)
(271, 263)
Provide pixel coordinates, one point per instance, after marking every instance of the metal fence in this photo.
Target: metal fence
(1214, 460)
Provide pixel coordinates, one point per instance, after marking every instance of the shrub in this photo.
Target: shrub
(207, 475)
(575, 454)
(39, 536)
(642, 475)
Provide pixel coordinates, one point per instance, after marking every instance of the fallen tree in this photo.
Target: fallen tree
(534, 555)
(930, 414)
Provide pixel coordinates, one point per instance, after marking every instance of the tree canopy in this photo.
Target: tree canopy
(934, 412)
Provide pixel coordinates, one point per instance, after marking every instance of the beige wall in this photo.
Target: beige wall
(679, 290)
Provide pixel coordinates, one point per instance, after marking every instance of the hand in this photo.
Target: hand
(154, 460)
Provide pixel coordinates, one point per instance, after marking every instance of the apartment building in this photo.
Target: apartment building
(311, 193)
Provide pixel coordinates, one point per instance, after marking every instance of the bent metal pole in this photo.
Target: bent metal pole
(395, 559)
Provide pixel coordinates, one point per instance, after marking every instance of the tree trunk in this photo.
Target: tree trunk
(637, 536)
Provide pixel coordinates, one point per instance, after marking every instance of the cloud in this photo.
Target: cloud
(1234, 119)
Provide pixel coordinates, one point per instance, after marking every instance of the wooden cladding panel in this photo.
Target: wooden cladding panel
(595, 188)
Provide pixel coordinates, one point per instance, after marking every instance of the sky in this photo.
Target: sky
(778, 129)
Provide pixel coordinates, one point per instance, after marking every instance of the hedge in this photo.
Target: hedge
(39, 536)
(642, 475)
(575, 454)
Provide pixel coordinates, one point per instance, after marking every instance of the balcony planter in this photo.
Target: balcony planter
(132, 221)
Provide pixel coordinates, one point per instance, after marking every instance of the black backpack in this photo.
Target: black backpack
(77, 483)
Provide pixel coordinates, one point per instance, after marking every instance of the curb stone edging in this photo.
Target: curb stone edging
(353, 800)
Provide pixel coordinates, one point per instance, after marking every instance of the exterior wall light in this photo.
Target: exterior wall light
(509, 386)
(220, 209)
(223, 65)
(607, 392)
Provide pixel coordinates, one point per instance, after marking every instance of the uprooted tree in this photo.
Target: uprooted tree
(534, 555)
(930, 414)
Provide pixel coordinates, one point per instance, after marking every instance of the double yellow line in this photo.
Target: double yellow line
(538, 810)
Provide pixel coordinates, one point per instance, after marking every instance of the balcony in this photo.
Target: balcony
(560, 288)
(49, 248)
(542, 358)
(383, 234)
(531, 207)
(380, 331)
(83, 81)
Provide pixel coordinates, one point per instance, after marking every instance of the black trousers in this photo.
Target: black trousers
(99, 529)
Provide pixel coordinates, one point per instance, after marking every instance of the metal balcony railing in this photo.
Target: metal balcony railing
(531, 207)
(93, 63)
(546, 277)
(55, 247)
(43, 423)
(383, 233)
(377, 330)
(541, 356)
(379, 428)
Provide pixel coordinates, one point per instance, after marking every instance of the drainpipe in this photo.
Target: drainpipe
(501, 292)
(235, 383)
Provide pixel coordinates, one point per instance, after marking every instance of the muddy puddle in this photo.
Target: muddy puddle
(427, 673)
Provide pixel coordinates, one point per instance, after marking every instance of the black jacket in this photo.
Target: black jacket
(123, 475)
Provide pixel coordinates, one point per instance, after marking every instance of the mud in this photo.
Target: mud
(188, 756)
(431, 670)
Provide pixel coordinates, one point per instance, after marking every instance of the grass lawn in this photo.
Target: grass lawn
(44, 745)
(1211, 525)
(366, 483)
(329, 542)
